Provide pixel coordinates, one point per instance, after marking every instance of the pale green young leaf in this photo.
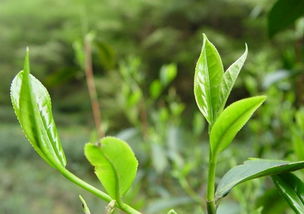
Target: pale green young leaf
(32, 105)
(172, 211)
(231, 120)
(85, 207)
(292, 189)
(115, 165)
(155, 89)
(208, 76)
(252, 169)
(229, 79)
(167, 74)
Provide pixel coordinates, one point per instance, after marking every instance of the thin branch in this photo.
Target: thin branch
(91, 85)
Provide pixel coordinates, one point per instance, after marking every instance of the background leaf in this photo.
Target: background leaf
(252, 169)
(292, 188)
(208, 76)
(32, 105)
(115, 165)
(231, 120)
(283, 14)
(167, 73)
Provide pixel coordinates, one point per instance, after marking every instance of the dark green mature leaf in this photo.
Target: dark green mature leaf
(252, 169)
(32, 105)
(115, 165)
(283, 14)
(292, 188)
(208, 76)
(229, 79)
(231, 120)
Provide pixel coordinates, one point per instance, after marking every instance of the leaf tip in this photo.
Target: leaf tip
(205, 38)
(246, 48)
(262, 98)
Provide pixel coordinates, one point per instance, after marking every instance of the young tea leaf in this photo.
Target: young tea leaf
(85, 207)
(292, 188)
(32, 105)
(229, 79)
(115, 165)
(252, 169)
(208, 76)
(231, 120)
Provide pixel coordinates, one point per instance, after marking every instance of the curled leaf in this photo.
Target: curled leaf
(207, 79)
(229, 79)
(32, 105)
(85, 207)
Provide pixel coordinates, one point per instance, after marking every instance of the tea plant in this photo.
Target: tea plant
(114, 161)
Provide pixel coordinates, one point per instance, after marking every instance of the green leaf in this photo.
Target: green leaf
(252, 169)
(155, 89)
(231, 120)
(167, 74)
(292, 188)
(85, 207)
(229, 79)
(115, 165)
(283, 14)
(32, 105)
(207, 79)
(172, 212)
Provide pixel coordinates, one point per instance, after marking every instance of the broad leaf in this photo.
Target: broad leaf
(115, 165)
(32, 105)
(208, 76)
(229, 79)
(231, 120)
(292, 188)
(252, 169)
(283, 14)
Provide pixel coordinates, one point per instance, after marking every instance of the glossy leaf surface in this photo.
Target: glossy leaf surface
(252, 169)
(208, 76)
(32, 105)
(292, 188)
(115, 165)
(229, 79)
(231, 120)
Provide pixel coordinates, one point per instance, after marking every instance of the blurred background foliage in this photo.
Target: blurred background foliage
(144, 54)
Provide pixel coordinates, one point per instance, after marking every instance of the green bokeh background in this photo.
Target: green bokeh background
(144, 35)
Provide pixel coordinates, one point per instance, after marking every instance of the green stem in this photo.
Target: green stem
(211, 207)
(76, 180)
(128, 209)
